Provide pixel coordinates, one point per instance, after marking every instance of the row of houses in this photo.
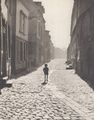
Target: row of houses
(81, 48)
(28, 43)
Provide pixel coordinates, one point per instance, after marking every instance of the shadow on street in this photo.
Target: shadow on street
(17, 75)
(3, 84)
(44, 83)
(89, 82)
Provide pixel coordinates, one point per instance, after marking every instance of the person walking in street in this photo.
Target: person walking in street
(46, 72)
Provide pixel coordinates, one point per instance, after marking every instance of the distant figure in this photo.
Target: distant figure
(46, 72)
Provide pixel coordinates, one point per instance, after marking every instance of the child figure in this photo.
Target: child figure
(46, 72)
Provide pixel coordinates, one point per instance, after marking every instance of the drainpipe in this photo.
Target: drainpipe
(0, 39)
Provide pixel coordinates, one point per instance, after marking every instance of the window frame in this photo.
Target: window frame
(22, 25)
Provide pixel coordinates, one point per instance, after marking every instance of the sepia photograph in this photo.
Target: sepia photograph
(46, 59)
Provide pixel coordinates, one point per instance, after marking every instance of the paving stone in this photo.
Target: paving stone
(26, 101)
(57, 118)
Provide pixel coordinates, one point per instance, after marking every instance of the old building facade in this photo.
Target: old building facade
(81, 48)
(25, 37)
(39, 38)
(3, 40)
(36, 34)
(3, 46)
(22, 23)
(48, 47)
(18, 34)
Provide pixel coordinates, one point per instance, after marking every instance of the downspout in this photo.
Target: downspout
(0, 39)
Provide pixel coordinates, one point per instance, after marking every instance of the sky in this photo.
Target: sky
(58, 20)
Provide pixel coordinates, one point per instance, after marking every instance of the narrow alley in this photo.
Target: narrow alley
(65, 97)
(49, 40)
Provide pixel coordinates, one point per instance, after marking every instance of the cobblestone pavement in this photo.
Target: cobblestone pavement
(73, 86)
(27, 99)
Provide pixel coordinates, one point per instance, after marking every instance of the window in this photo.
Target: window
(21, 51)
(22, 22)
(38, 29)
(30, 48)
(24, 51)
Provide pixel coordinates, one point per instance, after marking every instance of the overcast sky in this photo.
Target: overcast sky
(58, 20)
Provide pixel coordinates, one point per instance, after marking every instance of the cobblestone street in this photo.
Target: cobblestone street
(65, 97)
